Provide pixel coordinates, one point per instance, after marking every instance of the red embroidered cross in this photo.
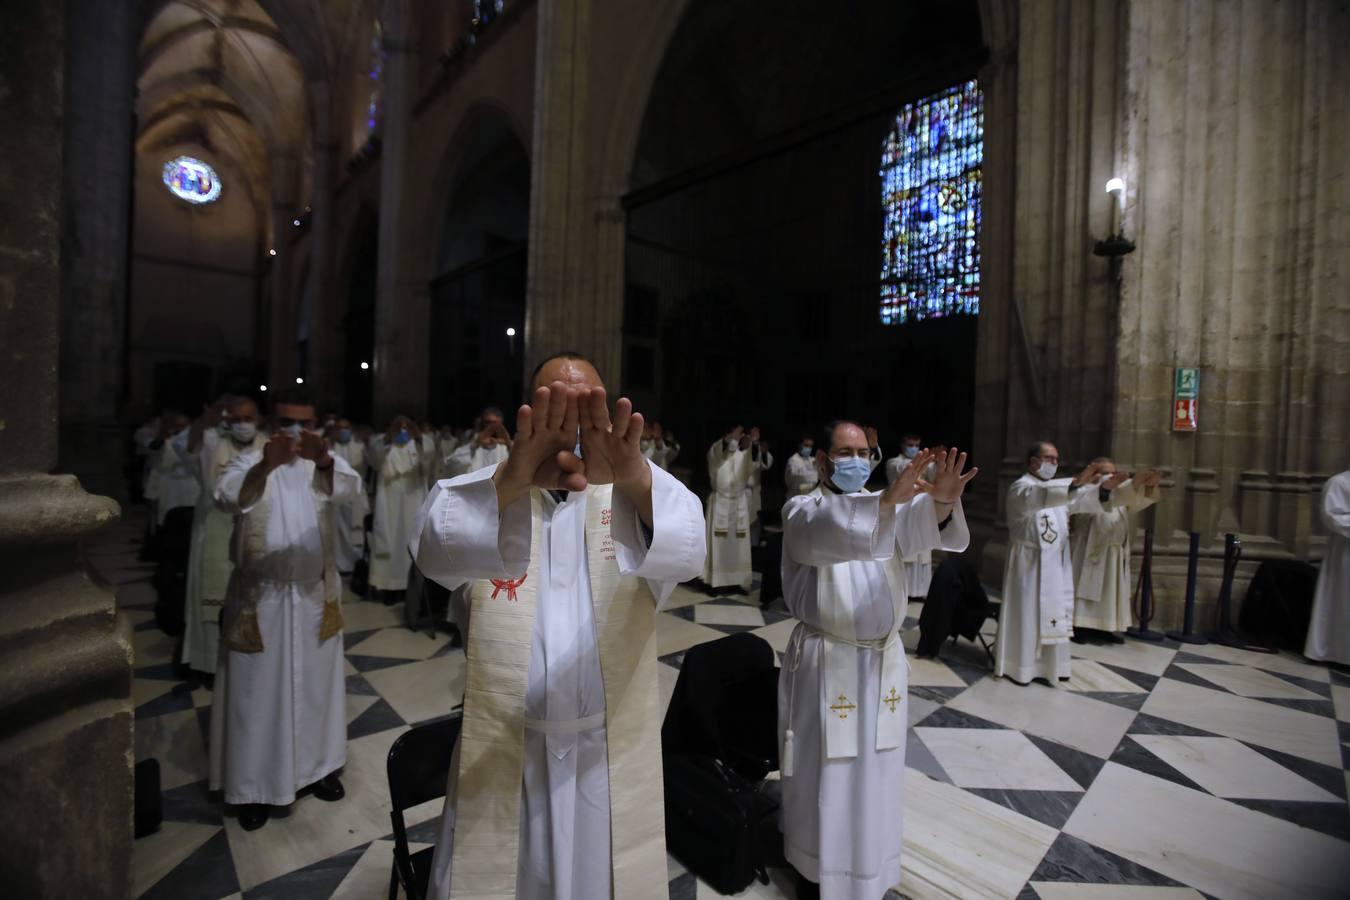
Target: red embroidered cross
(509, 583)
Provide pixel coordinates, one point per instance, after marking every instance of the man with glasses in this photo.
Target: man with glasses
(842, 694)
(278, 722)
(1036, 621)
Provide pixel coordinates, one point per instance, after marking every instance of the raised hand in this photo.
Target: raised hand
(908, 482)
(754, 435)
(279, 450)
(950, 480)
(871, 436)
(736, 434)
(612, 451)
(541, 455)
(1115, 480)
(1087, 475)
(312, 446)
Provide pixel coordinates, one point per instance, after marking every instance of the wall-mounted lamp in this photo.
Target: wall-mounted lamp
(510, 332)
(299, 381)
(262, 387)
(272, 252)
(365, 365)
(1116, 245)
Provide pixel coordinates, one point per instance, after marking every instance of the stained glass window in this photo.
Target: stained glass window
(484, 11)
(375, 103)
(930, 193)
(191, 180)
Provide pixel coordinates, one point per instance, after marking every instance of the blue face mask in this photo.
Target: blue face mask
(344, 435)
(850, 474)
(805, 452)
(911, 452)
(402, 437)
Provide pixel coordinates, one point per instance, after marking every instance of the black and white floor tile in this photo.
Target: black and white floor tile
(1157, 771)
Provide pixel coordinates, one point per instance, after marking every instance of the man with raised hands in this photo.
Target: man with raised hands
(570, 546)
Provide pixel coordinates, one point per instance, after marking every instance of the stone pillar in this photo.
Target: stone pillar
(283, 364)
(95, 219)
(65, 656)
(1239, 199)
(574, 299)
(402, 305)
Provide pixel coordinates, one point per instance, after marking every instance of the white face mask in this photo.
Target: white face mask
(293, 430)
(243, 431)
(1047, 470)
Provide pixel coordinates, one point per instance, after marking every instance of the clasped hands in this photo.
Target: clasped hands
(548, 429)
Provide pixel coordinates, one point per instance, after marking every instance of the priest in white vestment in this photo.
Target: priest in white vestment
(843, 704)
(1036, 619)
(174, 480)
(800, 474)
(400, 488)
(1329, 629)
(728, 513)
(659, 447)
(488, 446)
(555, 788)
(279, 717)
(1100, 546)
(760, 461)
(351, 517)
(209, 566)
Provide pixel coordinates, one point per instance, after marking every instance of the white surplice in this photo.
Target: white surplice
(800, 475)
(565, 790)
(1329, 628)
(728, 517)
(279, 716)
(400, 488)
(661, 453)
(471, 457)
(174, 481)
(351, 517)
(209, 566)
(1036, 619)
(917, 564)
(843, 806)
(1100, 544)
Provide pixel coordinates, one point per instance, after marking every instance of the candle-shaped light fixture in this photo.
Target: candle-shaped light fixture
(1116, 188)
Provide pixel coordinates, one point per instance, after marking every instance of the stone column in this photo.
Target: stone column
(574, 299)
(402, 306)
(95, 219)
(65, 656)
(1236, 131)
(282, 361)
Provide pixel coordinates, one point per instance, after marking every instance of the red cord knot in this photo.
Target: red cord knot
(510, 584)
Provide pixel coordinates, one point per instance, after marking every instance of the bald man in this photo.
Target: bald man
(569, 555)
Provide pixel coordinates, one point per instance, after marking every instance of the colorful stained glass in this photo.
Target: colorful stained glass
(191, 180)
(930, 193)
(375, 103)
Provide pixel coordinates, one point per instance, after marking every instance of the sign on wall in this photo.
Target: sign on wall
(1186, 400)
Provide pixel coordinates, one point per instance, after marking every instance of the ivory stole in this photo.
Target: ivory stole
(486, 854)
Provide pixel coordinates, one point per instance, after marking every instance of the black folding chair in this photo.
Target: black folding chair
(419, 763)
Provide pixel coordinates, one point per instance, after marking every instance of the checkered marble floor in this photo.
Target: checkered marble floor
(1157, 772)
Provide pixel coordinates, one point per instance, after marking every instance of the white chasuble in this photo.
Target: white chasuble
(1036, 619)
(1329, 629)
(1100, 545)
(728, 514)
(842, 698)
(552, 793)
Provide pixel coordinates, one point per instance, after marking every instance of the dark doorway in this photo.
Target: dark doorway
(478, 299)
(359, 323)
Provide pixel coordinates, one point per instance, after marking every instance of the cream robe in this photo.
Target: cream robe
(1036, 619)
(564, 794)
(1100, 544)
(470, 458)
(843, 805)
(728, 518)
(754, 487)
(661, 453)
(916, 564)
(800, 475)
(351, 517)
(279, 716)
(1329, 628)
(209, 566)
(400, 488)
